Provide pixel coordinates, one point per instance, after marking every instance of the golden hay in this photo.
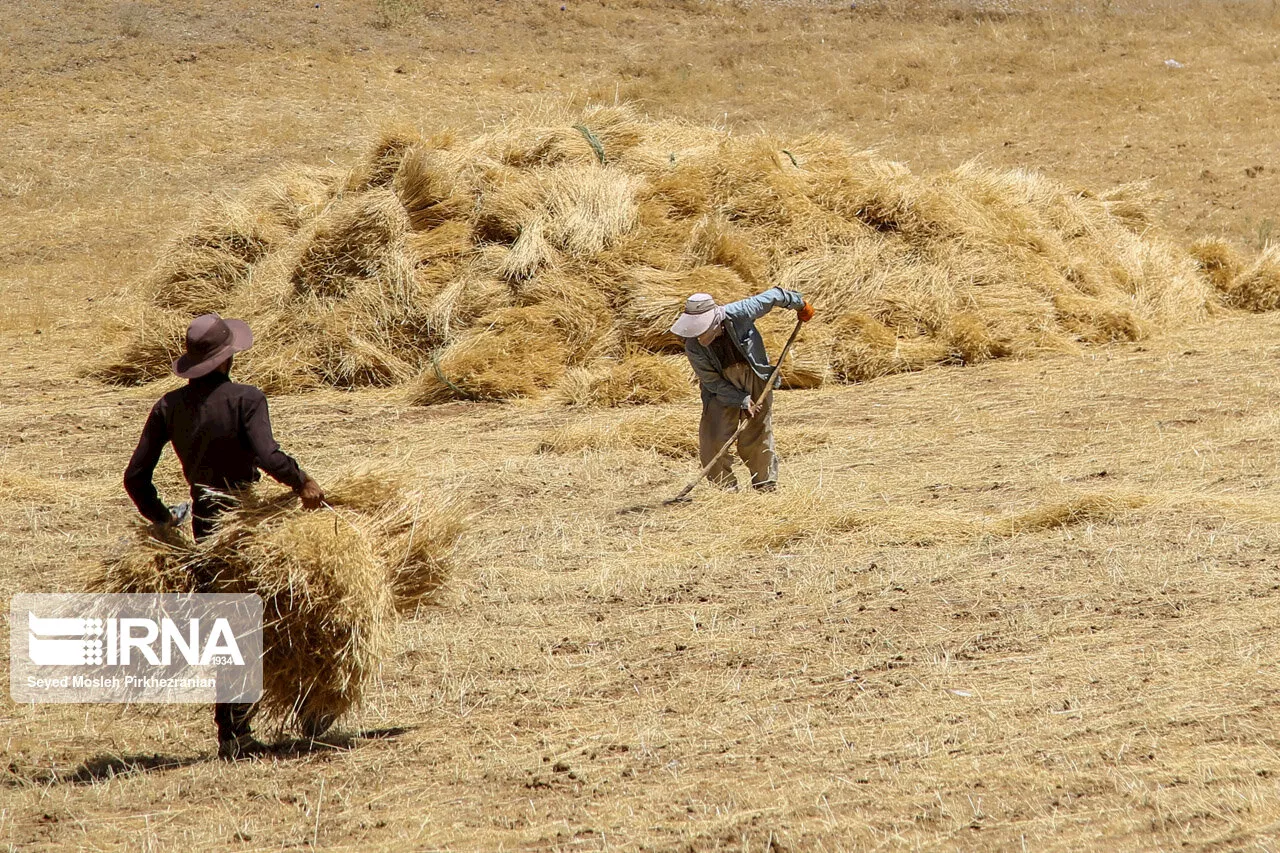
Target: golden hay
(529, 253)
(1098, 321)
(342, 309)
(325, 596)
(506, 198)
(17, 487)
(380, 164)
(293, 196)
(149, 350)
(653, 299)
(866, 348)
(1077, 509)
(518, 353)
(350, 244)
(446, 241)
(338, 304)
(429, 185)
(1257, 287)
(588, 209)
(200, 270)
(809, 362)
(414, 536)
(150, 561)
(795, 518)
(327, 609)
(789, 518)
(617, 129)
(971, 341)
(416, 545)
(455, 308)
(715, 240)
(1130, 204)
(532, 147)
(1218, 261)
(636, 378)
(594, 229)
(671, 434)
(576, 307)
(331, 581)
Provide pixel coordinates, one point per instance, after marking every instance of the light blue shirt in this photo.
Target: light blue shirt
(740, 325)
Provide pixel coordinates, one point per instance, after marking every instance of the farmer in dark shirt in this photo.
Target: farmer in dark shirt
(221, 432)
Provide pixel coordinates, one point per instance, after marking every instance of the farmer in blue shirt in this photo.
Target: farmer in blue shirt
(727, 354)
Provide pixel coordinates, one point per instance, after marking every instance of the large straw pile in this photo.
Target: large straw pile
(331, 582)
(555, 256)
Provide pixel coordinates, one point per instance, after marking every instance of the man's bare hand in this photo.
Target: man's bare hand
(753, 409)
(312, 495)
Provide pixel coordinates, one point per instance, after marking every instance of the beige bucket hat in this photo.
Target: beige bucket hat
(701, 313)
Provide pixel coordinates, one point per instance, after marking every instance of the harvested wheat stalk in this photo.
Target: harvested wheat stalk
(331, 582)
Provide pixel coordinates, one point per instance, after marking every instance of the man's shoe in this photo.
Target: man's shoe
(315, 726)
(766, 486)
(240, 746)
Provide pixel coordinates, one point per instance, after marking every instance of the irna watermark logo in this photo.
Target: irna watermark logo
(59, 641)
(135, 648)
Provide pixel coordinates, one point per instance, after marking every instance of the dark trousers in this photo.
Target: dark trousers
(231, 718)
(206, 508)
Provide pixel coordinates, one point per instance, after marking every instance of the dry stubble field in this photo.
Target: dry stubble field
(1021, 605)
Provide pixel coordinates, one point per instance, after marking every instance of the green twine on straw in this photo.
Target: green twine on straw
(592, 140)
(435, 364)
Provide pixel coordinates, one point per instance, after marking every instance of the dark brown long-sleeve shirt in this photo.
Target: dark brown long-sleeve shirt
(221, 431)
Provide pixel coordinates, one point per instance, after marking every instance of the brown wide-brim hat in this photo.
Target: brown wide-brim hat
(211, 340)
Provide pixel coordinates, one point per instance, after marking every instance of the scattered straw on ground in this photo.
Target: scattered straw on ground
(668, 433)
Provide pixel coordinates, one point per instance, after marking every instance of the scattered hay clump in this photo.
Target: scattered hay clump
(1066, 511)
(673, 434)
(1219, 261)
(1257, 286)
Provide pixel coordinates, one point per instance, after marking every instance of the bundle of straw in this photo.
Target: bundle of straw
(331, 582)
